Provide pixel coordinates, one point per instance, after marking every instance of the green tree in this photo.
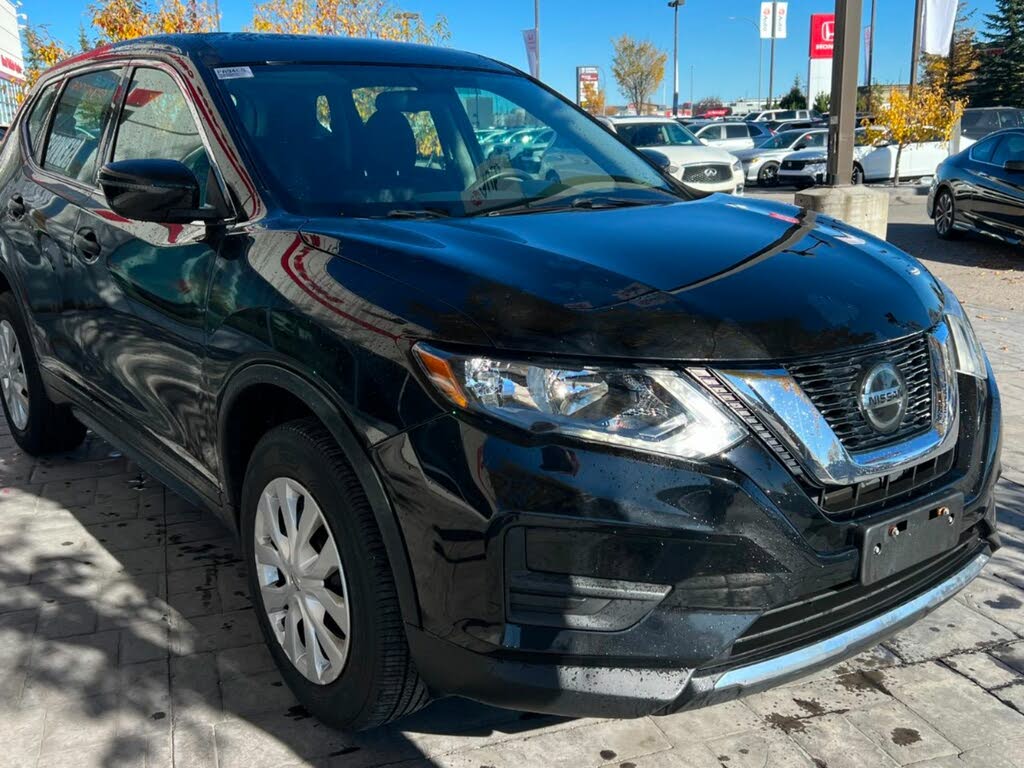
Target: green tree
(1000, 77)
(638, 68)
(955, 74)
(822, 102)
(795, 99)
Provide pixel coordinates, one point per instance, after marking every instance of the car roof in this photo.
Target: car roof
(643, 119)
(215, 49)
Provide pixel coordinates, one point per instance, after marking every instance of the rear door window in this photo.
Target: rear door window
(1010, 148)
(82, 113)
(982, 151)
(736, 132)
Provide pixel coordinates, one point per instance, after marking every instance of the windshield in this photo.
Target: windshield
(783, 140)
(657, 134)
(377, 141)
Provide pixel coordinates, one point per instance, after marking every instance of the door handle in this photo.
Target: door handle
(16, 206)
(86, 243)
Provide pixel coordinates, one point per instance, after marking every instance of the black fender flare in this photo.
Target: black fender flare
(331, 414)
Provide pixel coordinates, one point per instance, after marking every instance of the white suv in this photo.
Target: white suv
(705, 169)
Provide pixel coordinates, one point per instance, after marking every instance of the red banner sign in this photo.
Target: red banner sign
(823, 34)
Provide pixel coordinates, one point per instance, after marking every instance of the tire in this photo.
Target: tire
(944, 216)
(38, 425)
(768, 176)
(858, 174)
(376, 681)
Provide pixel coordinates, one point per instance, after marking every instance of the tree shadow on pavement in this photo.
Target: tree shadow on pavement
(127, 637)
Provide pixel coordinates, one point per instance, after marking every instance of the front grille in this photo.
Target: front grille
(837, 499)
(793, 165)
(832, 385)
(707, 173)
(830, 612)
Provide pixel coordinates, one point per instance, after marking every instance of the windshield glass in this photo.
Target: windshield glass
(657, 134)
(782, 140)
(376, 141)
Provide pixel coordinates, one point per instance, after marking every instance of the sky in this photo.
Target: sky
(720, 52)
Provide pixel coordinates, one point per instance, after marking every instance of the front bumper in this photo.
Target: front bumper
(588, 691)
(801, 178)
(566, 579)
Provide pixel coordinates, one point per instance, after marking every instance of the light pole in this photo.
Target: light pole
(760, 52)
(536, 31)
(771, 62)
(674, 5)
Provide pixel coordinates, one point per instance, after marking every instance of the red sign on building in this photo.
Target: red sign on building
(823, 34)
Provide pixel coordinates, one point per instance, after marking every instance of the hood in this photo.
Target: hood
(716, 278)
(749, 154)
(686, 155)
(808, 154)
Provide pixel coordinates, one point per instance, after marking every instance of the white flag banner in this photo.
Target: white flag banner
(530, 41)
(937, 26)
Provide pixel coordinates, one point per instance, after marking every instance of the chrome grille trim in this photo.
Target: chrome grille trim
(694, 174)
(831, 382)
(776, 399)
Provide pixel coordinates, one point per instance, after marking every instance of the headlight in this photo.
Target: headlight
(815, 164)
(737, 166)
(651, 409)
(970, 355)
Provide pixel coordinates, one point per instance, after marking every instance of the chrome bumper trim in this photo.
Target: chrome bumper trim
(841, 646)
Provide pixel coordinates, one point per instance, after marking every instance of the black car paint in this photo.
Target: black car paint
(987, 198)
(160, 338)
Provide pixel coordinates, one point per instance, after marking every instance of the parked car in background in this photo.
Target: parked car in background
(761, 163)
(778, 126)
(705, 169)
(874, 160)
(982, 189)
(730, 136)
(599, 448)
(979, 122)
(782, 115)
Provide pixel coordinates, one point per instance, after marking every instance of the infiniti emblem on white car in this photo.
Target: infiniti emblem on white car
(883, 397)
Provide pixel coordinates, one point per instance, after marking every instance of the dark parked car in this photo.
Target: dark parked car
(585, 446)
(982, 189)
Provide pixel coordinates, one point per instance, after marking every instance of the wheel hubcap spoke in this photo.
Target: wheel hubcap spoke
(13, 381)
(301, 579)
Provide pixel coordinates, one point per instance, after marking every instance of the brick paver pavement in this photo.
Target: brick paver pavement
(127, 639)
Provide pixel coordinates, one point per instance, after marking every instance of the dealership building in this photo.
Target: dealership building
(12, 64)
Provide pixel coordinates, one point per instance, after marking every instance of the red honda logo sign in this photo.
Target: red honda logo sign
(823, 35)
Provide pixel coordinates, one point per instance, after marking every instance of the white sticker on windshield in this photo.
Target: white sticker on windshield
(232, 73)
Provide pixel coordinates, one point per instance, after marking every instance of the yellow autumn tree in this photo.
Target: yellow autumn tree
(116, 20)
(350, 18)
(592, 98)
(42, 51)
(926, 115)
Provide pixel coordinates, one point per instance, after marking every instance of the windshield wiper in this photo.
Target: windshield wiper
(578, 204)
(418, 213)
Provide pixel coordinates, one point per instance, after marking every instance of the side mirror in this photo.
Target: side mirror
(798, 147)
(164, 191)
(1014, 166)
(660, 159)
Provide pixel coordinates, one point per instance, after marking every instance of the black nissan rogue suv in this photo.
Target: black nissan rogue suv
(563, 437)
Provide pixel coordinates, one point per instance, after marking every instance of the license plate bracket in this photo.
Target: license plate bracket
(907, 539)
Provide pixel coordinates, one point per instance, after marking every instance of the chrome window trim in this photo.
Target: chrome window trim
(780, 403)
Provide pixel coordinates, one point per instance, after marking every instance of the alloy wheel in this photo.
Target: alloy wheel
(301, 580)
(944, 213)
(13, 381)
(769, 175)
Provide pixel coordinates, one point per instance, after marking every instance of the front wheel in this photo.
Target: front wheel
(945, 216)
(768, 176)
(38, 425)
(322, 587)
